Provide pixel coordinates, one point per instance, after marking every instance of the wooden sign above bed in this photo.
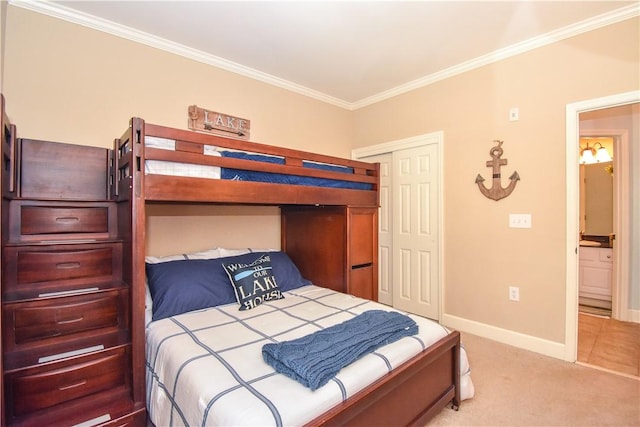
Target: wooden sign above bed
(218, 123)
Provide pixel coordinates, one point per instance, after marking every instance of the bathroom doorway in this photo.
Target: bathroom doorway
(627, 246)
(613, 119)
(606, 197)
(604, 277)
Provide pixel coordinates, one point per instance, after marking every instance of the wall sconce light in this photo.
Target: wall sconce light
(592, 154)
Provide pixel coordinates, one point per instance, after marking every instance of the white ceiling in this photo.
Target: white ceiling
(349, 53)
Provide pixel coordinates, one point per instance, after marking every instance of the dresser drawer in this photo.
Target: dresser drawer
(136, 419)
(361, 281)
(45, 266)
(42, 221)
(58, 220)
(43, 387)
(606, 255)
(56, 317)
(34, 271)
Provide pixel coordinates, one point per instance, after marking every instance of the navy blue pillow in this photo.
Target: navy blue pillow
(286, 272)
(180, 286)
(253, 283)
(186, 285)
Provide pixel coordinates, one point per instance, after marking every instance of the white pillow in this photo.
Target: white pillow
(208, 254)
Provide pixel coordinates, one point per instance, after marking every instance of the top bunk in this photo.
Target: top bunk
(163, 164)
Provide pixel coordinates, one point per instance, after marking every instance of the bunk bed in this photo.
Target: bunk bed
(155, 163)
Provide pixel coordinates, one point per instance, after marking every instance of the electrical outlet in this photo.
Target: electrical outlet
(514, 293)
(514, 114)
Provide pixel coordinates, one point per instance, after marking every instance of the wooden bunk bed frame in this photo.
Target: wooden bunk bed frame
(410, 395)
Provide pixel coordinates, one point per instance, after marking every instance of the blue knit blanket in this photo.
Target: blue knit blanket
(314, 359)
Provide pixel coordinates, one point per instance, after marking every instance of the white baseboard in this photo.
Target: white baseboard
(505, 336)
(633, 315)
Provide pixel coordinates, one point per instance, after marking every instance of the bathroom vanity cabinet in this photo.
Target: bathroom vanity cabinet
(596, 272)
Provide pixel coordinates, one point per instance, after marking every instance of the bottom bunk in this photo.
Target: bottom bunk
(206, 366)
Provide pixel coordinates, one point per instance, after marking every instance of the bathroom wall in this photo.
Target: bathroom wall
(596, 190)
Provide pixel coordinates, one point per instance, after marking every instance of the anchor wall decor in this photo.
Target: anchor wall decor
(496, 192)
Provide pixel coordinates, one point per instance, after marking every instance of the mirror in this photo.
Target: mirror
(596, 199)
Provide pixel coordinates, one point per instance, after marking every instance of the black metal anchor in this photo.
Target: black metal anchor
(496, 192)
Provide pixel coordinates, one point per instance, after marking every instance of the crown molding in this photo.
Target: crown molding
(587, 25)
(90, 21)
(110, 27)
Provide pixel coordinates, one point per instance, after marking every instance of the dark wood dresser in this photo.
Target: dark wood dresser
(344, 253)
(66, 306)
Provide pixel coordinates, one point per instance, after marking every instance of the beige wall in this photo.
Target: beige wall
(179, 229)
(483, 256)
(70, 83)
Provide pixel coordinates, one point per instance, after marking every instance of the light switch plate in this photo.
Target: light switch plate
(514, 114)
(520, 220)
(514, 293)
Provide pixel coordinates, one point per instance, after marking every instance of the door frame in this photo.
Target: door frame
(573, 111)
(412, 142)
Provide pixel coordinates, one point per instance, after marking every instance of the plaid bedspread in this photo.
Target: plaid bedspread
(206, 367)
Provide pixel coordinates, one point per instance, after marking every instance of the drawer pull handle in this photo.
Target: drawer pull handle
(67, 219)
(70, 386)
(67, 265)
(365, 265)
(64, 322)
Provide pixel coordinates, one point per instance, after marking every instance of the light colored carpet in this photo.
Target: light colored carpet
(516, 387)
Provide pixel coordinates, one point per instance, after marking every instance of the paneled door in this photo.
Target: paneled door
(385, 237)
(409, 228)
(415, 230)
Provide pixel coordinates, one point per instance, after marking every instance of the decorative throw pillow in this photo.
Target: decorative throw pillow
(178, 287)
(253, 282)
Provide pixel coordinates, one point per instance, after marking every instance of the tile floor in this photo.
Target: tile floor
(609, 344)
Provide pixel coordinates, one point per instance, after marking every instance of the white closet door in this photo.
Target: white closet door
(415, 230)
(385, 238)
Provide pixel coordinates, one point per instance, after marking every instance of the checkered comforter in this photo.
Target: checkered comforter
(206, 368)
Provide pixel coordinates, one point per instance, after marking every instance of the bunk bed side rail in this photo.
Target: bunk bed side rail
(9, 153)
(132, 181)
(236, 144)
(124, 161)
(199, 190)
(288, 168)
(189, 148)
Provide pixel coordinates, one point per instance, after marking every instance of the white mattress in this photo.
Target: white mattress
(162, 167)
(206, 368)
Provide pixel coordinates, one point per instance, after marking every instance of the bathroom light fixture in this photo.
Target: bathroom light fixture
(587, 155)
(590, 155)
(602, 155)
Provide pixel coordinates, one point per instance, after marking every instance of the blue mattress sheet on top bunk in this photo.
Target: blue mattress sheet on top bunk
(244, 175)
